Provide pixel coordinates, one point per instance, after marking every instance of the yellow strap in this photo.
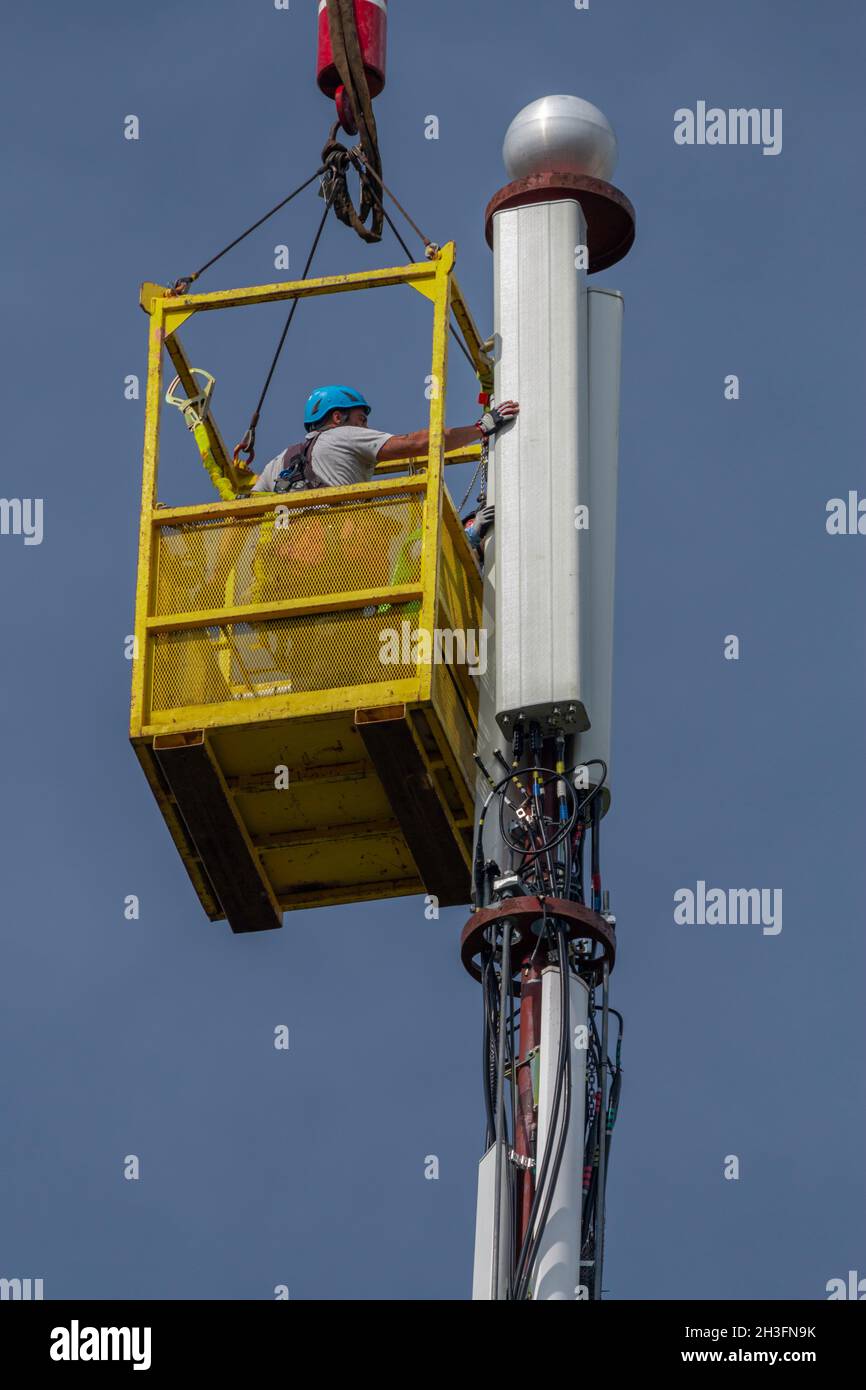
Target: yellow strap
(212, 468)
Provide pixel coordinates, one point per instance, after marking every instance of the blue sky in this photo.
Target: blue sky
(154, 1037)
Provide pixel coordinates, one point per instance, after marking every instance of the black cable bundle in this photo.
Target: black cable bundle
(541, 837)
(560, 1114)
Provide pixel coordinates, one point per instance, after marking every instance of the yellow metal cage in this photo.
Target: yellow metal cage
(305, 743)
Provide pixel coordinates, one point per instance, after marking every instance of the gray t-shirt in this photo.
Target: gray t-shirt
(340, 456)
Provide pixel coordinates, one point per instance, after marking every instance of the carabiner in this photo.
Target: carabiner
(247, 446)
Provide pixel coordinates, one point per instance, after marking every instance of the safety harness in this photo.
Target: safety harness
(296, 470)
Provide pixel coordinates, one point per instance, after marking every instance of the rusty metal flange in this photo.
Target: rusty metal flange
(580, 923)
(610, 217)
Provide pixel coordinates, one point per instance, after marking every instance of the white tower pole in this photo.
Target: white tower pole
(557, 1270)
(549, 583)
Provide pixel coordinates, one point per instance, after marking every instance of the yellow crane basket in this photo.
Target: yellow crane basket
(305, 745)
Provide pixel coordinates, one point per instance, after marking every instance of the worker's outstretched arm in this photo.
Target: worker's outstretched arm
(407, 446)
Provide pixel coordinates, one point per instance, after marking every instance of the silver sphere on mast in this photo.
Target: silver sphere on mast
(563, 135)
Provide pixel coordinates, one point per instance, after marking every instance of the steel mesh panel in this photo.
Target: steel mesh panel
(299, 553)
(459, 603)
(246, 661)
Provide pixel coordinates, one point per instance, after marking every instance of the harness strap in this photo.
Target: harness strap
(297, 465)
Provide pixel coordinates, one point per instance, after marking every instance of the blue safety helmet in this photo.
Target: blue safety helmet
(328, 398)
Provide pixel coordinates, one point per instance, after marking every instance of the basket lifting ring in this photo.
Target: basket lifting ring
(195, 409)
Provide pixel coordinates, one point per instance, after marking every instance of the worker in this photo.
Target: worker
(339, 449)
(477, 527)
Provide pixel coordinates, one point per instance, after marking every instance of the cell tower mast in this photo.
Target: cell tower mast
(541, 940)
